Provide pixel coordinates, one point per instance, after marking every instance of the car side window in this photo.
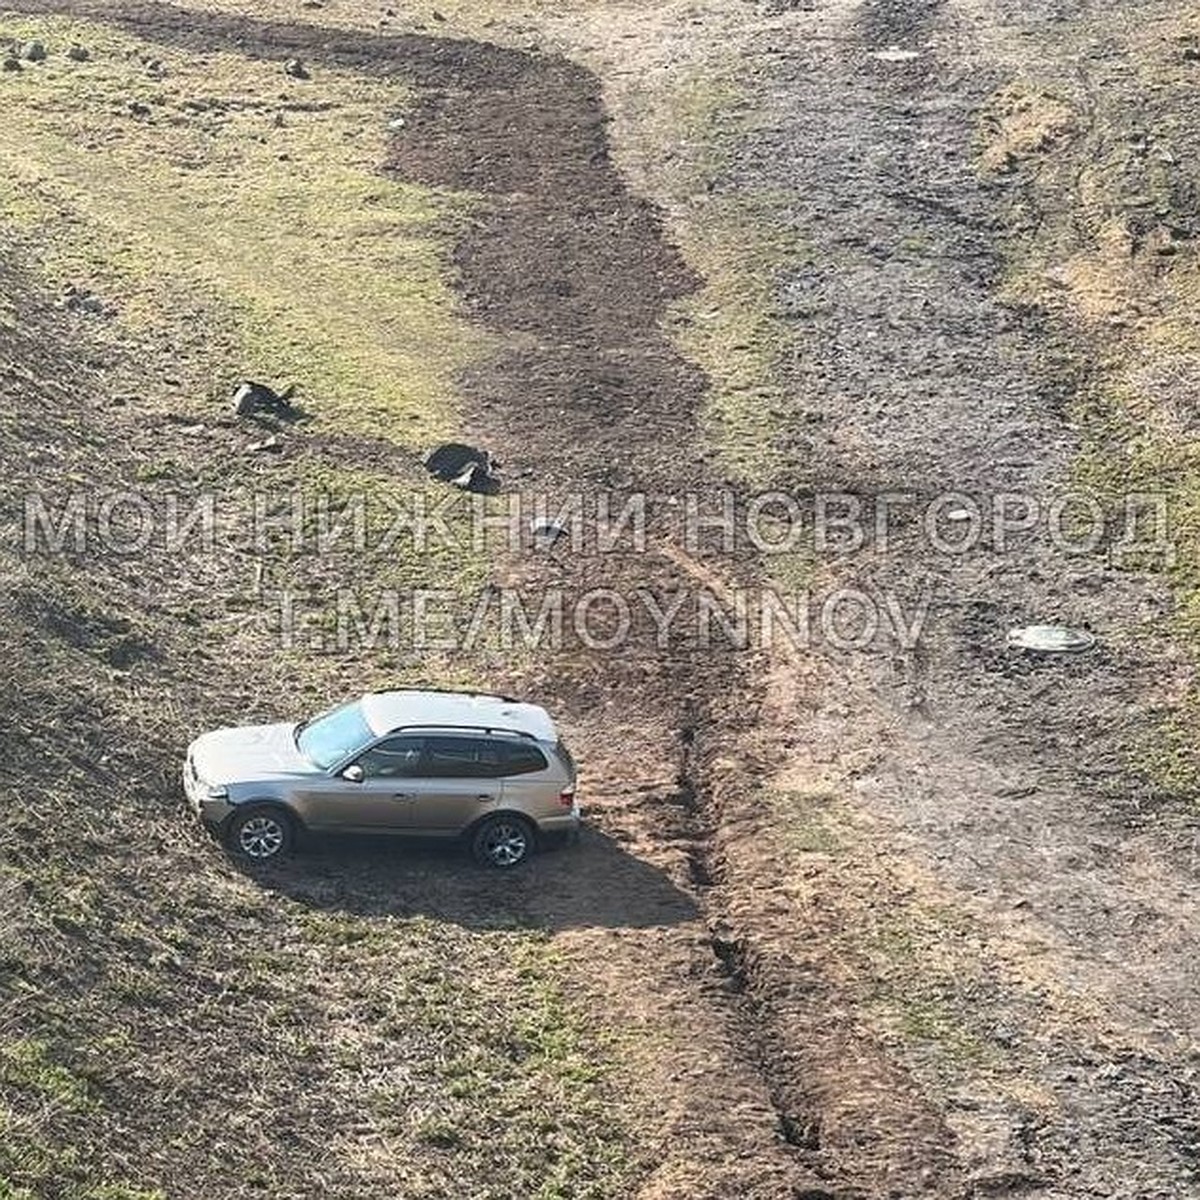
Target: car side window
(522, 759)
(462, 758)
(395, 758)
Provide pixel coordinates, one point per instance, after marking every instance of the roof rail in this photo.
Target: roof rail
(447, 691)
(463, 728)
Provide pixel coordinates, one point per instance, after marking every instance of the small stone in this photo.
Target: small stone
(397, 123)
(894, 54)
(33, 51)
(79, 54)
(296, 69)
(546, 532)
(11, 63)
(1191, 54)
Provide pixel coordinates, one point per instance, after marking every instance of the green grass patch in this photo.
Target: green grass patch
(740, 243)
(26, 1064)
(219, 203)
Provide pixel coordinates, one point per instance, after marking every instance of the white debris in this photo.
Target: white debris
(1051, 639)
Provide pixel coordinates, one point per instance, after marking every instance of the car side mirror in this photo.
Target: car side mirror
(354, 773)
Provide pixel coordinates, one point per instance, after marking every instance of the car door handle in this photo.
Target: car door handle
(484, 796)
(402, 795)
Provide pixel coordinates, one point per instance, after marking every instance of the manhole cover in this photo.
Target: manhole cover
(1051, 639)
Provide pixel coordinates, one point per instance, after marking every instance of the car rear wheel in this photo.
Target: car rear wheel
(260, 835)
(503, 842)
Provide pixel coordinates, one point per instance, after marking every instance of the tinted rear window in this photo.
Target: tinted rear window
(480, 758)
(522, 759)
(462, 758)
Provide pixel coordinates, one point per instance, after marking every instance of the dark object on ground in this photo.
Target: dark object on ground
(465, 467)
(252, 398)
(296, 69)
(546, 533)
(79, 54)
(33, 51)
(12, 63)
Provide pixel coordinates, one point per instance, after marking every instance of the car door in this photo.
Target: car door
(379, 803)
(459, 781)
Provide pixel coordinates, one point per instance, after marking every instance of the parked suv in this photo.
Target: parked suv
(431, 764)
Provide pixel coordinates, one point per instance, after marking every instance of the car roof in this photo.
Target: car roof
(386, 711)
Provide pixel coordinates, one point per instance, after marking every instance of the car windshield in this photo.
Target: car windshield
(328, 739)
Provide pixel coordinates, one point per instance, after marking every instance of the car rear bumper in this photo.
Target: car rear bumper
(560, 829)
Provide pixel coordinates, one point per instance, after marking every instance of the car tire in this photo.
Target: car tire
(260, 835)
(503, 841)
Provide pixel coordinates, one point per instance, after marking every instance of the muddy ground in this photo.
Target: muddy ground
(973, 974)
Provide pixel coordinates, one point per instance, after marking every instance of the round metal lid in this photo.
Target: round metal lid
(1051, 639)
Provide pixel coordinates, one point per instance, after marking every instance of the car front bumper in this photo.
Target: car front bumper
(212, 812)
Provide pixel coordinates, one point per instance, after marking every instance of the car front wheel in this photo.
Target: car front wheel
(259, 835)
(503, 842)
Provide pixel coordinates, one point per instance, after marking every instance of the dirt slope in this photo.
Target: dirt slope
(885, 923)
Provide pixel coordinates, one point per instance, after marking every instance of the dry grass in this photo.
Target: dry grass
(217, 193)
(1104, 235)
(169, 1026)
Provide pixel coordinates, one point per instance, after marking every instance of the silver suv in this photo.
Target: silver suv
(436, 764)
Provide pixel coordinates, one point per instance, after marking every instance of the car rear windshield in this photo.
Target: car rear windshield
(334, 736)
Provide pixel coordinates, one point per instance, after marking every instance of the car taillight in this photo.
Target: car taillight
(567, 798)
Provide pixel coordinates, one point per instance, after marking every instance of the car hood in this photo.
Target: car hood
(247, 753)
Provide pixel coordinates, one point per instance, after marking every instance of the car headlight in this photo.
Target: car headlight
(216, 793)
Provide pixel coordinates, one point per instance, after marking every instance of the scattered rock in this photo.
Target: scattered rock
(138, 109)
(397, 123)
(11, 63)
(296, 69)
(79, 54)
(437, 16)
(76, 299)
(271, 445)
(546, 532)
(1191, 54)
(33, 51)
